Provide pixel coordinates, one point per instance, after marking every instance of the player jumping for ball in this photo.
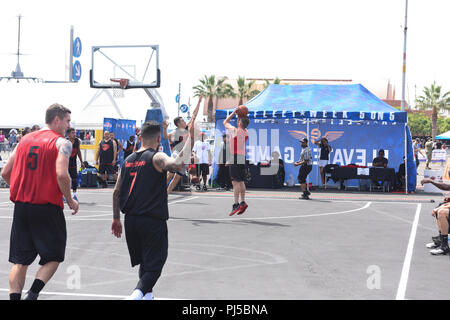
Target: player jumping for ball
(238, 138)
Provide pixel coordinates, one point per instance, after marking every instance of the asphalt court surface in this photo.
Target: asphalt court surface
(339, 245)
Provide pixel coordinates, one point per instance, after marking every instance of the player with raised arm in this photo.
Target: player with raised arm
(238, 139)
(177, 140)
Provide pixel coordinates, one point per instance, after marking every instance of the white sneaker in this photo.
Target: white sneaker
(431, 245)
(136, 295)
(148, 296)
(440, 251)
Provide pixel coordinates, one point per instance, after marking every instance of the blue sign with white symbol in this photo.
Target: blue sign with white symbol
(76, 74)
(177, 98)
(184, 108)
(77, 48)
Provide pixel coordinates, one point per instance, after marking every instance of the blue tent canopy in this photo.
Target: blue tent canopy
(355, 121)
(352, 101)
(444, 136)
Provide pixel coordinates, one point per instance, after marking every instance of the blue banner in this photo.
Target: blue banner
(353, 142)
(156, 115)
(122, 130)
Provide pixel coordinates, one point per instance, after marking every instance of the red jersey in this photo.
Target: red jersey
(237, 143)
(33, 176)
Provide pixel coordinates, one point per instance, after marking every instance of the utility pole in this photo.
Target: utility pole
(71, 55)
(179, 97)
(404, 57)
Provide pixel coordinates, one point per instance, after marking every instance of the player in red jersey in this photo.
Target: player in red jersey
(238, 138)
(38, 177)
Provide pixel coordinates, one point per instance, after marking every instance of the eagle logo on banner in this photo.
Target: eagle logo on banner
(316, 135)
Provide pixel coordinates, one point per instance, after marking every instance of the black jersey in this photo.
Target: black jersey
(143, 190)
(106, 152)
(129, 149)
(324, 152)
(73, 156)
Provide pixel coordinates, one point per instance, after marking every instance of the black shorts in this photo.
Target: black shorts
(237, 172)
(106, 169)
(303, 173)
(37, 230)
(147, 241)
(202, 169)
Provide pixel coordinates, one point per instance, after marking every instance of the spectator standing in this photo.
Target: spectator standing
(305, 164)
(224, 178)
(202, 153)
(428, 152)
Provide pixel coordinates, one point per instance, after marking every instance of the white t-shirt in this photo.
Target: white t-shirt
(201, 149)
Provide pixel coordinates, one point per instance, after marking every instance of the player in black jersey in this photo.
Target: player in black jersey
(141, 194)
(71, 136)
(129, 147)
(107, 153)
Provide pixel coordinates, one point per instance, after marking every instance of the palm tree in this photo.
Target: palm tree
(209, 89)
(432, 99)
(244, 89)
(275, 81)
(226, 90)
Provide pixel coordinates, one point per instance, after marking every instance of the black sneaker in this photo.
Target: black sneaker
(304, 196)
(307, 192)
(236, 208)
(205, 188)
(197, 187)
(31, 295)
(442, 250)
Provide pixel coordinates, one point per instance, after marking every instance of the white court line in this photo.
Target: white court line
(281, 217)
(182, 200)
(75, 217)
(86, 295)
(407, 263)
(230, 219)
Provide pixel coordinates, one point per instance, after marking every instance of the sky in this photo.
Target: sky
(360, 40)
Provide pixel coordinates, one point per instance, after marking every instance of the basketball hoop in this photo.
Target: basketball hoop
(123, 83)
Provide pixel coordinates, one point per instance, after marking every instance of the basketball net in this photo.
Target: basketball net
(118, 92)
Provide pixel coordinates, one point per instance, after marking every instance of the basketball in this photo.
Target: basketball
(242, 111)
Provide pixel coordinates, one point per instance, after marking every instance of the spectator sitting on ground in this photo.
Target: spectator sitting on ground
(439, 245)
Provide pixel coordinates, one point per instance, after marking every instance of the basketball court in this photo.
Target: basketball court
(338, 245)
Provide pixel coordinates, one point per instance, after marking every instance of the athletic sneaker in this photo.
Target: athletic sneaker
(197, 187)
(31, 295)
(242, 207)
(432, 245)
(437, 238)
(442, 250)
(236, 208)
(308, 193)
(205, 188)
(304, 196)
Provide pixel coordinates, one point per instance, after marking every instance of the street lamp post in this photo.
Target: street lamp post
(404, 57)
